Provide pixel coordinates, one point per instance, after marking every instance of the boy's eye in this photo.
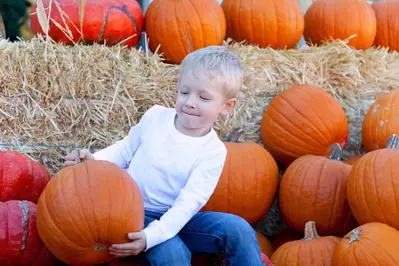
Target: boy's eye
(183, 92)
(204, 98)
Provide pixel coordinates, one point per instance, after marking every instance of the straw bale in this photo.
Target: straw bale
(55, 98)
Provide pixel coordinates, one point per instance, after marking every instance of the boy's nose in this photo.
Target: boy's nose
(190, 101)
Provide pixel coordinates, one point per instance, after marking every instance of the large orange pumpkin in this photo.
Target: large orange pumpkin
(179, 27)
(369, 244)
(381, 121)
(86, 208)
(373, 187)
(387, 15)
(20, 244)
(104, 21)
(275, 23)
(314, 188)
(311, 250)
(21, 178)
(303, 119)
(327, 20)
(248, 183)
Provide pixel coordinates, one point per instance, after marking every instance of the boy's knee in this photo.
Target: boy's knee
(237, 227)
(171, 252)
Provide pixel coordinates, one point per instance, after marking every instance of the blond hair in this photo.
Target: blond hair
(216, 62)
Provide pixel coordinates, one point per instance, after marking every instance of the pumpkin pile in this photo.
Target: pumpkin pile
(22, 181)
(175, 28)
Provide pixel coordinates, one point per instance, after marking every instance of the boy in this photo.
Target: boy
(176, 159)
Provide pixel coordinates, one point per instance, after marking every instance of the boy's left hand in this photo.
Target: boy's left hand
(132, 248)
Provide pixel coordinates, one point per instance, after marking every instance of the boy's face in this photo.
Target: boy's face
(200, 101)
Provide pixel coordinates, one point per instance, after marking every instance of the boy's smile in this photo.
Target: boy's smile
(200, 101)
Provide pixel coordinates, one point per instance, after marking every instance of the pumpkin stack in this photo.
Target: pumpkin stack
(342, 205)
(22, 181)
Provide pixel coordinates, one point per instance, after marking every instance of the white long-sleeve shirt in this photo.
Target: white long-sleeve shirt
(176, 173)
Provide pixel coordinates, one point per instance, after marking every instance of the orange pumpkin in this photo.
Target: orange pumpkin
(248, 183)
(179, 27)
(314, 188)
(381, 121)
(311, 250)
(369, 244)
(303, 119)
(372, 185)
(265, 246)
(327, 20)
(86, 208)
(275, 23)
(387, 15)
(352, 159)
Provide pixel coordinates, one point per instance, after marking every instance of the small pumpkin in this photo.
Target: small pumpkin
(20, 244)
(21, 178)
(176, 28)
(310, 250)
(248, 183)
(314, 188)
(303, 119)
(327, 20)
(104, 21)
(86, 208)
(372, 186)
(275, 23)
(368, 244)
(387, 16)
(381, 121)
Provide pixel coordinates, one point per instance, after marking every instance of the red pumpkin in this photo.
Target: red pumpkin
(104, 21)
(20, 244)
(86, 208)
(21, 178)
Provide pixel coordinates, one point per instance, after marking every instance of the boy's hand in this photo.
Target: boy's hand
(132, 248)
(70, 159)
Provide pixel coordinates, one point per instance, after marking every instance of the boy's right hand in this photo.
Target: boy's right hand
(84, 155)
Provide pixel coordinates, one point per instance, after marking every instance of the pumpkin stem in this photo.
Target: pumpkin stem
(77, 156)
(336, 153)
(234, 135)
(393, 142)
(354, 235)
(310, 231)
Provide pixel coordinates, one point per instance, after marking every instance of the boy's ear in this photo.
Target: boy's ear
(229, 105)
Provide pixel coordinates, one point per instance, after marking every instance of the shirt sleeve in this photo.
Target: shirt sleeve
(192, 198)
(122, 151)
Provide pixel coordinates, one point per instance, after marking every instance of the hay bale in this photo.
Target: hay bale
(55, 98)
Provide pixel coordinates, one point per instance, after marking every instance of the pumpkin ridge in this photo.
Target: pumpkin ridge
(393, 186)
(69, 241)
(311, 138)
(82, 213)
(377, 193)
(318, 159)
(188, 36)
(332, 212)
(279, 148)
(363, 187)
(307, 120)
(322, 121)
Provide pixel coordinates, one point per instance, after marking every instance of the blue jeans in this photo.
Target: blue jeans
(208, 232)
